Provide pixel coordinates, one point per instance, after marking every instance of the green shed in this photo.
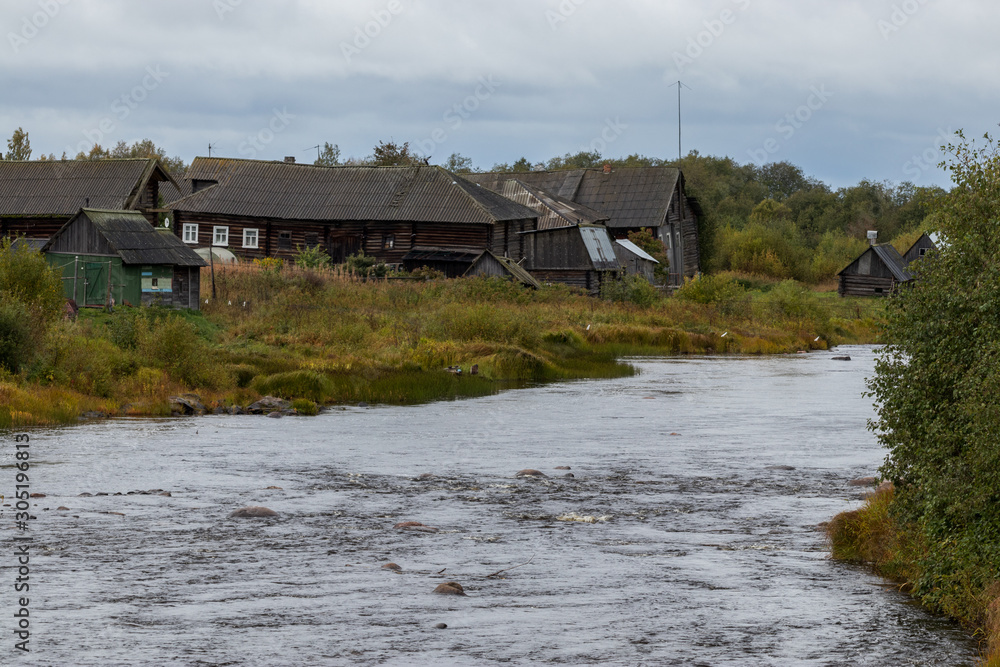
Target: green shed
(118, 257)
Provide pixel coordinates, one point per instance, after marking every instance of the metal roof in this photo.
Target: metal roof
(258, 189)
(598, 244)
(135, 240)
(516, 271)
(62, 187)
(552, 210)
(893, 261)
(635, 250)
(630, 197)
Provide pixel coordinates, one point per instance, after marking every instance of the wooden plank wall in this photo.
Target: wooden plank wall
(41, 228)
(858, 285)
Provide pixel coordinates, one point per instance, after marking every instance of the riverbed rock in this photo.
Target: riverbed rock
(235, 410)
(275, 415)
(253, 512)
(267, 405)
(62, 509)
(37, 495)
(415, 526)
(783, 468)
(450, 588)
(863, 481)
(562, 468)
(393, 567)
(426, 476)
(530, 472)
(843, 357)
(187, 404)
(441, 626)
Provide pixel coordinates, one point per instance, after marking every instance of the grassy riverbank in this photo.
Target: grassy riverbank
(328, 337)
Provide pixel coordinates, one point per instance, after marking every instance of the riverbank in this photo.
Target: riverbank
(330, 338)
(871, 536)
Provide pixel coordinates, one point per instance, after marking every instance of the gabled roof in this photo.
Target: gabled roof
(890, 257)
(596, 240)
(131, 237)
(552, 210)
(515, 270)
(61, 187)
(630, 197)
(258, 189)
(635, 250)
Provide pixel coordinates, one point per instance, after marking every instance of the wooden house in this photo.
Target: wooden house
(492, 265)
(582, 256)
(407, 216)
(117, 255)
(921, 247)
(633, 199)
(635, 260)
(877, 272)
(37, 198)
(553, 211)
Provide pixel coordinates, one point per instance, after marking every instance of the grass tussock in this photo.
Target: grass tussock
(328, 336)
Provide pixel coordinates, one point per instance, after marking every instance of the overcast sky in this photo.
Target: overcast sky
(845, 89)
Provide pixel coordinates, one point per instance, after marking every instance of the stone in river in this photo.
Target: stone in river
(252, 512)
(450, 588)
(529, 472)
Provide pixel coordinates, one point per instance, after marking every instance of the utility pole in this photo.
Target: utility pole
(317, 147)
(679, 85)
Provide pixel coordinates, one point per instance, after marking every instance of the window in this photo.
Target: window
(388, 241)
(249, 238)
(312, 240)
(220, 236)
(284, 240)
(923, 251)
(156, 283)
(190, 233)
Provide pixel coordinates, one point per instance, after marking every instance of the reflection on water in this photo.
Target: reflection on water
(706, 479)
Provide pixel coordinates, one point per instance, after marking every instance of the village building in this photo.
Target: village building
(877, 272)
(635, 260)
(582, 256)
(38, 197)
(921, 247)
(404, 216)
(633, 199)
(107, 257)
(491, 265)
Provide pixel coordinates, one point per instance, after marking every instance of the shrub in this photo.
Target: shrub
(296, 384)
(126, 326)
(365, 265)
(16, 335)
(311, 258)
(305, 407)
(25, 276)
(630, 289)
(710, 289)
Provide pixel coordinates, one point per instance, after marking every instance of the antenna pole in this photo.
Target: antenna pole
(680, 84)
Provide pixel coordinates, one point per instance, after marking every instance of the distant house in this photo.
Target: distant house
(408, 216)
(635, 260)
(582, 256)
(492, 265)
(553, 210)
(921, 247)
(39, 197)
(105, 255)
(633, 199)
(877, 272)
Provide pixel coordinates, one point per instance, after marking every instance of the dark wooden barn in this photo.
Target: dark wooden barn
(633, 199)
(492, 265)
(37, 198)
(877, 272)
(553, 211)
(921, 247)
(407, 216)
(582, 256)
(117, 255)
(635, 260)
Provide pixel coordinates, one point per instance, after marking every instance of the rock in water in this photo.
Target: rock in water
(187, 404)
(393, 567)
(415, 525)
(267, 405)
(252, 512)
(529, 472)
(450, 588)
(841, 358)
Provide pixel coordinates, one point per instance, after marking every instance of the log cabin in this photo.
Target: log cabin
(404, 216)
(582, 256)
(921, 247)
(879, 271)
(633, 199)
(38, 197)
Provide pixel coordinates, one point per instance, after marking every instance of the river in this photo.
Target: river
(701, 481)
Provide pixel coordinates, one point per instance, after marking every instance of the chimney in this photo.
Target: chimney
(290, 159)
(607, 169)
(872, 235)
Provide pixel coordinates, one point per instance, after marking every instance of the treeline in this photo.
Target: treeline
(770, 221)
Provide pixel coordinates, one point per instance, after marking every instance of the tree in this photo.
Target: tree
(329, 157)
(936, 385)
(519, 167)
(459, 164)
(18, 146)
(391, 154)
(144, 148)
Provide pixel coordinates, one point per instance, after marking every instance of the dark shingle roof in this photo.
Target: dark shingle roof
(893, 261)
(257, 189)
(62, 187)
(630, 197)
(134, 239)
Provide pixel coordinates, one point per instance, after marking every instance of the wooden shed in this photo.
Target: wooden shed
(489, 264)
(635, 260)
(119, 256)
(582, 256)
(877, 272)
(410, 216)
(921, 247)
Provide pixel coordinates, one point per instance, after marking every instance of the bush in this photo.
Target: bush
(16, 335)
(126, 326)
(296, 384)
(710, 289)
(311, 258)
(630, 289)
(25, 276)
(366, 265)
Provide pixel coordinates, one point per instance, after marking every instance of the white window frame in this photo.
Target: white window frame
(255, 233)
(190, 232)
(220, 235)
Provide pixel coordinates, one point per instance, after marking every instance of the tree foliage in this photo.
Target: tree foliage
(18, 146)
(144, 148)
(329, 156)
(937, 382)
(391, 154)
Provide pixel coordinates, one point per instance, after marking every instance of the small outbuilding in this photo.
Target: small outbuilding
(581, 255)
(921, 247)
(877, 272)
(635, 260)
(489, 264)
(108, 257)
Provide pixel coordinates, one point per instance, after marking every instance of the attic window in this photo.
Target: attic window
(922, 252)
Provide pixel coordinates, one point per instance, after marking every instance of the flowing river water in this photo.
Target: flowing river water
(701, 482)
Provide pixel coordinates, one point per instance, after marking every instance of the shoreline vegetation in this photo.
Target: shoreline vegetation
(325, 337)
